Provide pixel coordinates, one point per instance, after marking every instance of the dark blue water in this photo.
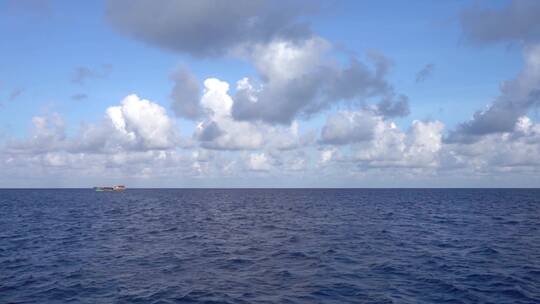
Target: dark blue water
(270, 246)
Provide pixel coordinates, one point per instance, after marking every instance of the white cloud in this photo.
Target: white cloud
(282, 61)
(216, 98)
(136, 124)
(376, 142)
(258, 162)
(517, 97)
(221, 131)
(419, 147)
(518, 150)
(327, 155)
(143, 121)
(48, 134)
(347, 126)
(304, 78)
(137, 140)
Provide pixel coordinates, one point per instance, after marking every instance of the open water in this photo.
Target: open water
(270, 246)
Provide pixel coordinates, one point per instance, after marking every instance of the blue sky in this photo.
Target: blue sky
(46, 42)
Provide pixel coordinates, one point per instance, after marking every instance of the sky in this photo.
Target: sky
(256, 93)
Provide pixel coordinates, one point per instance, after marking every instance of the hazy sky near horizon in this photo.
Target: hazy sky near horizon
(253, 93)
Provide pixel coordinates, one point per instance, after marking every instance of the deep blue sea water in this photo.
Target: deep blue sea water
(270, 246)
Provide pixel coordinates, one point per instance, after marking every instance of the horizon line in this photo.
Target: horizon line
(267, 188)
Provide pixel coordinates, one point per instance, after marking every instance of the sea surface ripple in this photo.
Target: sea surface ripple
(270, 246)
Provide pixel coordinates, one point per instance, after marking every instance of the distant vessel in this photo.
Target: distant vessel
(115, 188)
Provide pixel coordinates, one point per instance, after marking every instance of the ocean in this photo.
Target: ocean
(270, 246)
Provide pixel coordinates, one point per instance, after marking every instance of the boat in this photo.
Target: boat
(115, 188)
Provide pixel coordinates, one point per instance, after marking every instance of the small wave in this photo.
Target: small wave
(290, 246)
(484, 250)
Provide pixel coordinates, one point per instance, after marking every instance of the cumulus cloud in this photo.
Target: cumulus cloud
(326, 155)
(421, 147)
(123, 146)
(377, 142)
(515, 22)
(208, 28)
(219, 130)
(81, 74)
(425, 72)
(299, 73)
(207, 131)
(136, 139)
(302, 79)
(48, 134)
(347, 127)
(517, 150)
(391, 147)
(517, 97)
(258, 162)
(135, 124)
